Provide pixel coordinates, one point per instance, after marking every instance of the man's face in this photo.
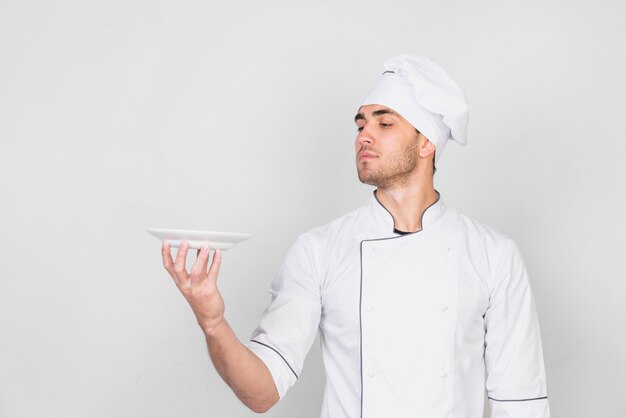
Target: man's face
(386, 147)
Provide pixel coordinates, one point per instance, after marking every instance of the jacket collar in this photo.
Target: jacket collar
(383, 226)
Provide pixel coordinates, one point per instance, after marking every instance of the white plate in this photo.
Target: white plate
(198, 239)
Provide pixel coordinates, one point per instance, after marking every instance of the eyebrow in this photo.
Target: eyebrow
(361, 116)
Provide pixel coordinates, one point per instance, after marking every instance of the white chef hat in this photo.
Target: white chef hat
(423, 94)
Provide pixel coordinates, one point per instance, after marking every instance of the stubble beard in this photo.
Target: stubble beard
(396, 170)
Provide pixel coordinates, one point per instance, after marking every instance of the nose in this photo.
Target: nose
(364, 137)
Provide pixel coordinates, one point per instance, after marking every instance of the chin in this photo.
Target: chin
(369, 180)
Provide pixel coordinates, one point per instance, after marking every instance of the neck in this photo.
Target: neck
(407, 204)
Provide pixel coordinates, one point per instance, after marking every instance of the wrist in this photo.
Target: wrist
(213, 328)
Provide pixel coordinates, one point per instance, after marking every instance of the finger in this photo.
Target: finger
(199, 269)
(180, 263)
(215, 266)
(168, 263)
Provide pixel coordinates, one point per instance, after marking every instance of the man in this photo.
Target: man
(414, 302)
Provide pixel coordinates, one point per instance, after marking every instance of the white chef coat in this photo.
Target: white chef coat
(414, 325)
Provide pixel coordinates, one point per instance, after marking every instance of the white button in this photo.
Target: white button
(369, 308)
(443, 308)
(443, 375)
(447, 248)
(373, 250)
(370, 373)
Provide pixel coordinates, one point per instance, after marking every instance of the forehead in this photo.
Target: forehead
(368, 110)
(375, 110)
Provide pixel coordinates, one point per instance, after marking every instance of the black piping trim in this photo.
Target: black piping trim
(361, 321)
(421, 216)
(276, 351)
(518, 400)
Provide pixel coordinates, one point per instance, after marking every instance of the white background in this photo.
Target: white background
(117, 116)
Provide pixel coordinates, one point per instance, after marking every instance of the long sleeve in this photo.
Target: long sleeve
(289, 324)
(516, 383)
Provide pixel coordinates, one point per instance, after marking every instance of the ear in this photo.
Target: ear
(426, 149)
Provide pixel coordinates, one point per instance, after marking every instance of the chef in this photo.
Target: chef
(420, 309)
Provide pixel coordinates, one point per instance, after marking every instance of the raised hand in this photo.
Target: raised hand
(199, 286)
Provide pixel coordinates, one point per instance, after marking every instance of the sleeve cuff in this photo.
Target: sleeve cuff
(282, 373)
(520, 408)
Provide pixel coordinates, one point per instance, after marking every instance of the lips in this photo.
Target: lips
(366, 155)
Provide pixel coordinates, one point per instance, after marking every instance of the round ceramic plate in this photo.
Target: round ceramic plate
(198, 239)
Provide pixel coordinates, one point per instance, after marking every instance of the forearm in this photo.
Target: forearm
(241, 369)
